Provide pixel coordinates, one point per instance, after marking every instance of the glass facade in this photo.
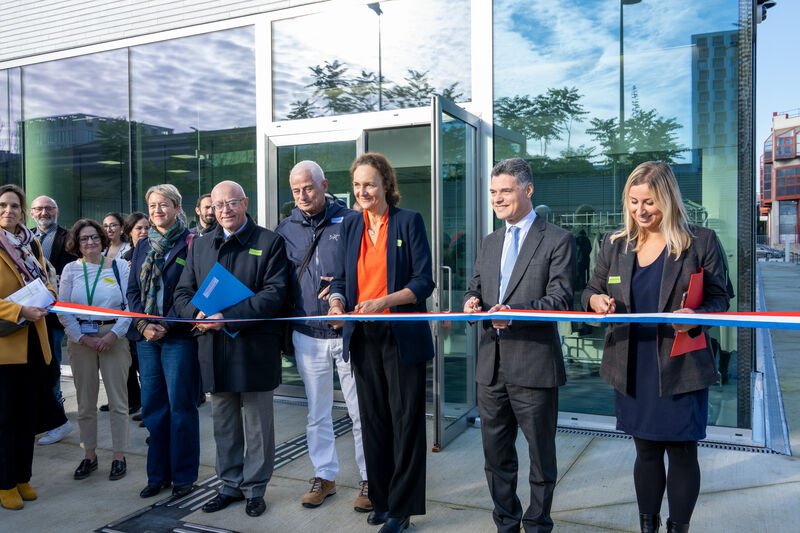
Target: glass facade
(10, 127)
(655, 82)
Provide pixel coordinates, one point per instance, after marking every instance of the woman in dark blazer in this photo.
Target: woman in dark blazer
(383, 266)
(662, 401)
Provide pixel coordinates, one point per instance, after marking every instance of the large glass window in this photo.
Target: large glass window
(10, 127)
(193, 112)
(584, 115)
(76, 134)
(371, 57)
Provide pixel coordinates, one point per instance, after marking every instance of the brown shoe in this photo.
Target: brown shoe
(320, 489)
(362, 503)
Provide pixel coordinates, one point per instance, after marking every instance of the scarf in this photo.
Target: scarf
(153, 267)
(18, 248)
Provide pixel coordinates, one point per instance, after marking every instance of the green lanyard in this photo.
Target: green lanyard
(90, 295)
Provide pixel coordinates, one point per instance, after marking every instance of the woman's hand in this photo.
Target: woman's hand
(154, 332)
(32, 313)
(683, 328)
(371, 306)
(602, 303)
(336, 308)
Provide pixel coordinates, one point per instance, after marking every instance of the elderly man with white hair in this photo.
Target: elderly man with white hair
(240, 364)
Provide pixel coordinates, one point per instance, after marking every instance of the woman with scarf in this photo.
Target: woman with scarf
(27, 403)
(168, 367)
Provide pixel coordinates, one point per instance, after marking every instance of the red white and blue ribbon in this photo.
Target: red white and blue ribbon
(774, 320)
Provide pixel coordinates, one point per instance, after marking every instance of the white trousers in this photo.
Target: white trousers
(315, 360)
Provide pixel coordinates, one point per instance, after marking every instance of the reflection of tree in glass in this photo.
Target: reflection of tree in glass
(338, 94)
(112, 134)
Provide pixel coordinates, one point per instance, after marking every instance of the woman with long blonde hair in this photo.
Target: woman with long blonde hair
(662, 401)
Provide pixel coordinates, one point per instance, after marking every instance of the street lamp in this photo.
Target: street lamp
(197, 154)
(376, 7)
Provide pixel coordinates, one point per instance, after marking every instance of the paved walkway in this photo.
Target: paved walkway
(741, 491)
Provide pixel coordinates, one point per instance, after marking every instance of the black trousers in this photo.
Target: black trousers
(502, 408)
(27, 407)
(391, 399)
(134, 390)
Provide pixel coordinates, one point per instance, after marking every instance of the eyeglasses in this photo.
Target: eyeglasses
(93, 238)
(230, 204)
(110, 226)
(48, 208)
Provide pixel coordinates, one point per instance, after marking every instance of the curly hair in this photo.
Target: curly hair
(72, 244)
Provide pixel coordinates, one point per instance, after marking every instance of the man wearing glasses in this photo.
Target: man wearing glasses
(239, 361)
(44, 211)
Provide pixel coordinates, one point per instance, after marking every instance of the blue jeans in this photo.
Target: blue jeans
(169, 373)
(58, 337)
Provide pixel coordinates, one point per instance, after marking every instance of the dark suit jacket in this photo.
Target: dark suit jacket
(542, 279)
(173, 267)
(408, 265)
(689, 372)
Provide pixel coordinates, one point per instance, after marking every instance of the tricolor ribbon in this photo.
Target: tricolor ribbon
(779, 320)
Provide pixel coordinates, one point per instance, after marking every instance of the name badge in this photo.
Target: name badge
(399, 243)
(180, 261)
(255, 252)
(337, 220)
(109, 281)
(614, 279)
(90, 327)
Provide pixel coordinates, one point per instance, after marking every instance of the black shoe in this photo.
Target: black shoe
(220, 502)
(118, 469)
(85, 468)
(134, 408)
(375, 518)
(395, 525)
(179, 491)
(104, 407)
(649, 523)
(138, 418)
(151, 490)
(255, 506)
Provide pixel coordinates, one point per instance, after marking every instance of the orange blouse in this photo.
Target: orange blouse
(372, 262)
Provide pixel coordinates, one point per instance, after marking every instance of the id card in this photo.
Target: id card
(89, 328)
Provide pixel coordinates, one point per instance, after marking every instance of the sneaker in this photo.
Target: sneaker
(362, 503)
(320, 489)
(55, 435)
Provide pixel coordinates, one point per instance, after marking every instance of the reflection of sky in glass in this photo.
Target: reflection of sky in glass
(423, 35)
(95, 84)
(206, 81)
(541, 44)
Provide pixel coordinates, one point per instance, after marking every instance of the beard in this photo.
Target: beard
(45, 222)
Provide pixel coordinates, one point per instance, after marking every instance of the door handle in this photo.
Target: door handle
(449, 288)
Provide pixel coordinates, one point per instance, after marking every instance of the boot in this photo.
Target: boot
(649, 523)
(26, 491)
(10, 499)
(672, 527)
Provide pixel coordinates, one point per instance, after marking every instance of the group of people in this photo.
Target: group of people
(328, 259)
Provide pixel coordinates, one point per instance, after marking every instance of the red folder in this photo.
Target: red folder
(694, 297)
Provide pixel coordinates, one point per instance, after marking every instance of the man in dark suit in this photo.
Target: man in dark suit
(528, 264)
(44, 211)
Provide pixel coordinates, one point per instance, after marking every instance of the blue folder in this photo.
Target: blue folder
(220, 290)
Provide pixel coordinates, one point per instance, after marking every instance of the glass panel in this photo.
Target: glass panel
(193, 107)
(458, 238)
(589, 115)
(76, 134)
(364, 58)
(10, 117)
(335, 159)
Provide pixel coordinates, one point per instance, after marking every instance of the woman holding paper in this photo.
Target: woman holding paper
(97, 343)
(383, 266)
(168, 367)
(661, 400)
(25, 383)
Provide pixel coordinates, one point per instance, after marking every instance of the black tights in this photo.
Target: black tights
(682, 480)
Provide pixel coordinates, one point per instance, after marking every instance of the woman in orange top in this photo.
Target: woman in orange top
(383, 266)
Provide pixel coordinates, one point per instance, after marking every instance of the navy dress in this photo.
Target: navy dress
(643, 413)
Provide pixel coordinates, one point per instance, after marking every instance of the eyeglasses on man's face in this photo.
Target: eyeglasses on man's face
(87, 238)
(48, 208)
(230, 204)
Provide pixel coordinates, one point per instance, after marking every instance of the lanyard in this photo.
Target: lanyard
(90, 295)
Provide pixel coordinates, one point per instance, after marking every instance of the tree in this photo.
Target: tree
(363, 91)
(331, 85)
(416, 92)
(302, 109)
(534, 117)
(565, 105)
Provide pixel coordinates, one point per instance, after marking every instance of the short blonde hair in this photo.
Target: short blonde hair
(667, 195)
(171, 192)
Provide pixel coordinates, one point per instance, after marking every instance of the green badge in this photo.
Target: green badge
(614, 279)
(180, 261)
(255, 252)
(399, 243)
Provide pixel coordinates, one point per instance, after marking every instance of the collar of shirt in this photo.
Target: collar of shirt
(228, 233)
(524, 225)
(48, 231)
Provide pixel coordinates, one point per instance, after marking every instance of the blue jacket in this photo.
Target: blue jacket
(408, 265)
(298, 233)
(173, 268)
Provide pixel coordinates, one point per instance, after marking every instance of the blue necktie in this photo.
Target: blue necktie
(511, 257)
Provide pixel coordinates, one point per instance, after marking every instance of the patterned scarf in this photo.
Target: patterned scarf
(153, 266)
(18, 248)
